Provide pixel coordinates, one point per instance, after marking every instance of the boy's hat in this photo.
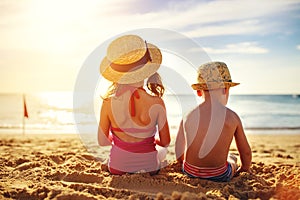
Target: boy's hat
(213, 75)
(130, 59)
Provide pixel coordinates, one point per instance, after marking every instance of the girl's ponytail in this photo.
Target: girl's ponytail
(154, 84)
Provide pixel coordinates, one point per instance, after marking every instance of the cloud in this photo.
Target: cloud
(235, 28)
(55, 25)
(242, 48)
(87, 21)
(62, 33)
(214, 14)
(201, 19)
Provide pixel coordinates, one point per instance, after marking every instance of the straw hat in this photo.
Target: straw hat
(130, 59)
(213, 75)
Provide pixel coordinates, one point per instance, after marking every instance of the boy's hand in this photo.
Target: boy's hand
(240, 170)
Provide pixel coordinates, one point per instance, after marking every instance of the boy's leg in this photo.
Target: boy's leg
(232, 160)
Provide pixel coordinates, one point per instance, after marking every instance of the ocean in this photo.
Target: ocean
(53, 112)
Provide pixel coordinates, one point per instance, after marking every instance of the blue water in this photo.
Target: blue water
(53, 112)
(267, 111)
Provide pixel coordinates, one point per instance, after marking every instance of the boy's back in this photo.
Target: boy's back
(212, 136)
(206, 133)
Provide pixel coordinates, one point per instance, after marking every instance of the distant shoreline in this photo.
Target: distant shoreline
(272, 128)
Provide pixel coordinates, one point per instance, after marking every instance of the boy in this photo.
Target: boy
(205, 134)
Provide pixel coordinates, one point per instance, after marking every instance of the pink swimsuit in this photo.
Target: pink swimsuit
(132, 157)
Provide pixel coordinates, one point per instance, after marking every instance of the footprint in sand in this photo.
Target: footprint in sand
(57, 159)
(83, 178)
(27, 165)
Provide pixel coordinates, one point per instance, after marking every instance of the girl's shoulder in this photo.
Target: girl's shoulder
(154, 98)
(106, 101)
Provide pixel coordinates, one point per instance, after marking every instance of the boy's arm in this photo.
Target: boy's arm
(243, 147)
(180, 143)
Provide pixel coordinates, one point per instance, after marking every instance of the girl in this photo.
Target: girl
(130, 116)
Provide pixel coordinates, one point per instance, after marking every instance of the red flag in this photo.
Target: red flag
(25, 107)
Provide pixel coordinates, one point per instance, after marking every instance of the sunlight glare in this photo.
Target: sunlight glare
(58, 24)
(58, 100)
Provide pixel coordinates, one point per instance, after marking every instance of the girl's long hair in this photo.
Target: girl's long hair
(110, 91)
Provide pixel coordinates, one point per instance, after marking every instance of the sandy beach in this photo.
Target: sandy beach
(59, 167)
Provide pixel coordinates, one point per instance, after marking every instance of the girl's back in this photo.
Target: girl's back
(137, 112)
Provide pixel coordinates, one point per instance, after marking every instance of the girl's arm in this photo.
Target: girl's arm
(180, 143)
(163, 127)
(104, 126)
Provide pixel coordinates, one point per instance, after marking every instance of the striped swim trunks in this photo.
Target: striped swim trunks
(218, 174)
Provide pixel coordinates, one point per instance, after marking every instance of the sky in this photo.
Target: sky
(43, 43)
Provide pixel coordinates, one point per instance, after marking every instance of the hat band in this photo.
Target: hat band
(132, 66)
(223, 81)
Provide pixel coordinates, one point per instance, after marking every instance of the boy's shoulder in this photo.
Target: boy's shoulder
(232, 113)
(232, 117)
(192, 113)
(195, 113)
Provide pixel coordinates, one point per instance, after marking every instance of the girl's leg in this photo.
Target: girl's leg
(161, 153)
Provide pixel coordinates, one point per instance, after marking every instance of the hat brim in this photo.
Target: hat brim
(212, 86)
(136, 75)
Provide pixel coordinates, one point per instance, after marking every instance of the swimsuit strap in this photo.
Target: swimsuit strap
(134, 94)
(133, 130)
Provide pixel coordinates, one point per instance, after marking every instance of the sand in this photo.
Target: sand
(60, 167)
